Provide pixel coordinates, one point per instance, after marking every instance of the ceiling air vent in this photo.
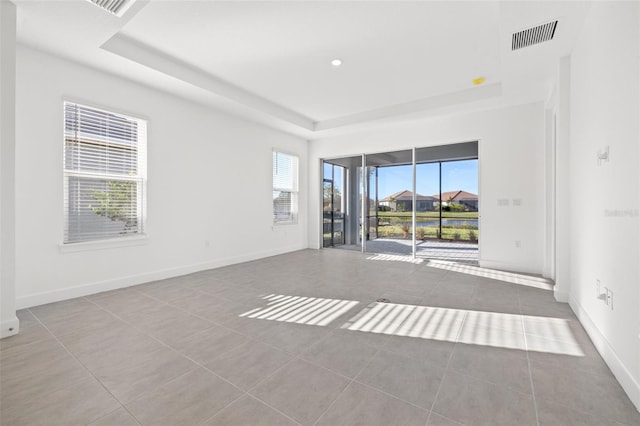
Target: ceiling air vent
(114, 7)
(534, 35)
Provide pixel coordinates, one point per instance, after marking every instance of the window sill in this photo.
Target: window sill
(279, 224)
(138, 240)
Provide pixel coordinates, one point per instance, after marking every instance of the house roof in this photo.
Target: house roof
(456, 196)
(407, 195)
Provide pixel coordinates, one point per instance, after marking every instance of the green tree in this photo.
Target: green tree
(326, 195)
(457, 207)
(116, 203)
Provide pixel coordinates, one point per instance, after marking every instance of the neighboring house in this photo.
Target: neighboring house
(464, 198)
(403, 202)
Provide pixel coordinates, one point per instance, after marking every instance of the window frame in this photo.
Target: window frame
(294, 191)
(140, 179)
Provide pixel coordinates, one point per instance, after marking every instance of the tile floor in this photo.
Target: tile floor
(299, 339)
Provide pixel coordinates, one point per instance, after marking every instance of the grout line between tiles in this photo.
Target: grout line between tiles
(526, 349)
(213, 323)
(446, 367)
(351, 380)
(264, 379)
(243, 392)
(501, 385)
(170, 348)
(354, 379)
(110, 413)
(86, 369)
(389, 394)
(248, 395)
(445, 417)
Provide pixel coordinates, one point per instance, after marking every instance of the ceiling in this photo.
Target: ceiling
(270, 61)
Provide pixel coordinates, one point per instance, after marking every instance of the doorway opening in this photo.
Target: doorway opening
(421, 202)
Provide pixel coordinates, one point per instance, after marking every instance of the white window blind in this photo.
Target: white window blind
(104, 174)
(285, 188)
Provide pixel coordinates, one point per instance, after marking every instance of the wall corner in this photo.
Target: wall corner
(8, 320)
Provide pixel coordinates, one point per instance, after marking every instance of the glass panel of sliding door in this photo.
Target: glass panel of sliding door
(427, 203)
(390, 202)
(460, 200)
(333, 205)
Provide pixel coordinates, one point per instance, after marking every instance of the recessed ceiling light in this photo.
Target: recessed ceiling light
(478, 81)
(336, 62)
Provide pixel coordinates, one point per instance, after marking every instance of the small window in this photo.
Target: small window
(104, 174)
(285, 188)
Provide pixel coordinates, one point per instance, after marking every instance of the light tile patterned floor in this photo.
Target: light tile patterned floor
(299, 339)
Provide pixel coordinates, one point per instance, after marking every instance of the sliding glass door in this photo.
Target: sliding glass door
(403, 202)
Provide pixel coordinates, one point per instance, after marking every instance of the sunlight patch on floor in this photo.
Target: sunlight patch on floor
(466, 326)
(495, 329)
(395, 258)
(301, 310)
(510, 277)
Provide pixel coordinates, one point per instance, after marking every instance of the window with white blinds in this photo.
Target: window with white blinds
(104, 174)
(285, 188)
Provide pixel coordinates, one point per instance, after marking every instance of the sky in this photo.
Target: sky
(456, 175)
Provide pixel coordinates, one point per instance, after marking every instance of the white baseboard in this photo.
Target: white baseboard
(624, 376)
(561, 296)
(506, 266)
(9, 327)
(42, 298)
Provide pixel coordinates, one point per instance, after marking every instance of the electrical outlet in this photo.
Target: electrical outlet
(602, 293)
(609, 298)
(518, 244)
(603, 155)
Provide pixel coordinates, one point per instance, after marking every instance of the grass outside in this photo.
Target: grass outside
(466, 215)
(395, 226)
(428, 215)
(448, 233)
(430, 232)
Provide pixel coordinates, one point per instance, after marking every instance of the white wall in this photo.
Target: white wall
(548, 266)
(8, 321)
(563, 206)
(511, 166)
(209, 179)
(605, 199)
